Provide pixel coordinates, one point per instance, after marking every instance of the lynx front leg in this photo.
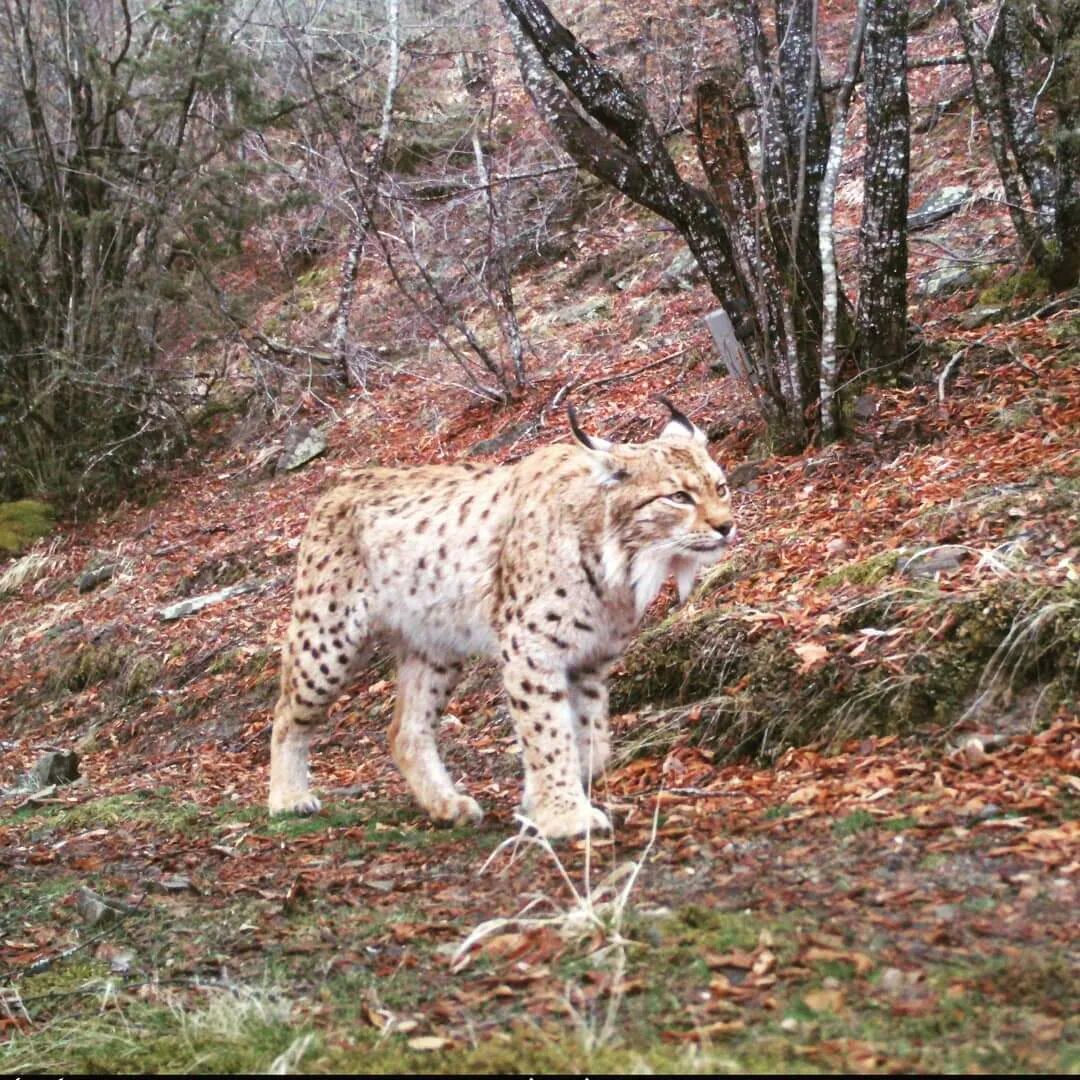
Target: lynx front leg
(544, 717)
(589, 701)
(423, 690)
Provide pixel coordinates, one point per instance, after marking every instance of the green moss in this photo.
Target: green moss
(233, 1031)
(316, 278)
(1022, 285)
(855, 822)
(160, 811)
(23, 522)
(871, 571)
(737, 685)
(138, 676)
(90, 665)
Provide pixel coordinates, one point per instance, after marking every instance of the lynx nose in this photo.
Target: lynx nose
(725, 528)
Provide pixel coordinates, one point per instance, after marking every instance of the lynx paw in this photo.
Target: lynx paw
(460, 810)
(294, 802)
(557, 823)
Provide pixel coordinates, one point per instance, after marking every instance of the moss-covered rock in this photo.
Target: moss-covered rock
(736, 684)
(23, 522)
(868, 571)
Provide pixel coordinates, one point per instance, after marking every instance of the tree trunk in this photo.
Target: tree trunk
(1029, 237)
(830, 363)
(607, 131)
(881, 314)
(365, 184)
(1005, 52)
(1064, 91)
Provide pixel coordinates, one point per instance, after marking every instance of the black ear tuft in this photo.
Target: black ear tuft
(676, 415)
(580, 435)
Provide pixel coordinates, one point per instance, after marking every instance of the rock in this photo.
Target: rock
(865, 407)
(980, 316)
(682, 273)
(595, 307)
(55, 767)
(940, 205)
(177, 883)
(730, 355)
(502, 440)
(91, 579)
(302, 444)
(99, 910)
(197, 603)
(744, 474)
(947, 280)
(836, 547)
(928, 564)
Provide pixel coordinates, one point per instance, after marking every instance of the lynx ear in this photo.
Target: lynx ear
(679, 426)
(606, 468)
(588, 442)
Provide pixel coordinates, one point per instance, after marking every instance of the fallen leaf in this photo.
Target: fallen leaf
(811, 654)
(429, 1042)
(824, 1000)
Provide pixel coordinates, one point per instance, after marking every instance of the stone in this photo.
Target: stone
(743, 474)
(865, 407)
(302, 444)
(197, 603)
(595, 307)
(940, 205)
(55, 767)
(731, 356)
(930, 563)
(91, 579)
(947, 280)
(980, 316)
(681, 274)
(836, 547)
(99, 910)
(502, 440)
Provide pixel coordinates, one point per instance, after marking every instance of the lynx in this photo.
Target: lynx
(547, 564)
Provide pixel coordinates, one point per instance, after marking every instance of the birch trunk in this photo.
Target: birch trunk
(881, 315)
(1029, 237)
(1064, 90)
(830, 366)
(1016, 100)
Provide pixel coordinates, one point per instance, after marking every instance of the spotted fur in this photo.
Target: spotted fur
(546, 564)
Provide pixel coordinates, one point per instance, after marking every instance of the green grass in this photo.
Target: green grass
(277, 1000)
(161, 811)
(856, 822)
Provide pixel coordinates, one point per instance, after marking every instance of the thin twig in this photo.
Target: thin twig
(943, 377)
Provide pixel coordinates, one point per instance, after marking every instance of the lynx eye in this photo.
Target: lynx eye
(722, 490)
(682, 497)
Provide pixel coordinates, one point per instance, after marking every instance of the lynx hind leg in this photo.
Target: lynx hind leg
(424, 688)
(325, 645)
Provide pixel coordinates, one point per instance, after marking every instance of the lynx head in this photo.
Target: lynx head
(668, 508)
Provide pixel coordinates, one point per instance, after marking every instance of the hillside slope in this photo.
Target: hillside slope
(846, 773)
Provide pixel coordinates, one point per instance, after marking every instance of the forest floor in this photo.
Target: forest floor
(884, 902)
(848, 773)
